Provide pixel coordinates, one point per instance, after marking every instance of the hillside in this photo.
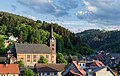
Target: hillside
(30, 31)
(101, 39)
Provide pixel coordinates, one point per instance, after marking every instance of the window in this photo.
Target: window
(48, 73)
(28, 58)
(83, 65)
(47, 56)
(52, 56)
(21, 58)
(55, 73)
(41, 74)
(52, 48)
(34, 58)
(52, 61)
(52, 44)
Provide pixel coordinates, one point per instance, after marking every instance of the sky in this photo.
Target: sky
(75, 15)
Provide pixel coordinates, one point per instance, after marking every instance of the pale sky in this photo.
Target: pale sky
(75, 15)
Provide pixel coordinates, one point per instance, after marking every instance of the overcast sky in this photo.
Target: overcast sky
(75, 15)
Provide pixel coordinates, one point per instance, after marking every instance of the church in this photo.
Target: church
(31, 53)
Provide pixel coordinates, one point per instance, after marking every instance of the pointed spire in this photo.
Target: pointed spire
(51, 31)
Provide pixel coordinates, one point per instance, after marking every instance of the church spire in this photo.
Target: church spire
(52, 40)
(51, 31)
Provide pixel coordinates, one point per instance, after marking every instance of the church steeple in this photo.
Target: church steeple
(51, 31)
(52, 45)
(52, 40)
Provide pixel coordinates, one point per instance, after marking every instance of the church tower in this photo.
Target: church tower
(52, 45)
(52, 40)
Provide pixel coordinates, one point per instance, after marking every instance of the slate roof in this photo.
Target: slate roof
(99, 63)
(98, 69)
(9, 68)
(32, 48)
(59, 67)
(74, 73)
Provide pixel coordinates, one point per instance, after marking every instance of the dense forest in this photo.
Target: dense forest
(30, 31)
(102, 40)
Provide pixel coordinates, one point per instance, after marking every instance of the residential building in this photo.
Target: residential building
(96, 68)
(12, 38)
(9, 70)
(74, 69)
(102, 71)
(50, 69)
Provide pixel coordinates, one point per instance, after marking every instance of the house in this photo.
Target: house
(12, 38)
(74, 69)
(9, 70)
(96, 68)
(50, 69)
(31, 53)
(103, 71)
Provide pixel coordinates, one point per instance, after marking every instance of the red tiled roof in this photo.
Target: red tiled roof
(79, 68)
(74, 73)
(9, 68)
(99, 63)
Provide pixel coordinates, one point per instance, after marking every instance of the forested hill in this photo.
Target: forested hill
(30, 31)
(102, 40)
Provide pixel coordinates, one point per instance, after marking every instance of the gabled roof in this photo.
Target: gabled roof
(74, 73)
(79, 68)
(98, 63)
(32, 48)
(98, 69)
(59, 67)
(9, 68)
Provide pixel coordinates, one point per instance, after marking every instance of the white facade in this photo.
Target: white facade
(50, 74)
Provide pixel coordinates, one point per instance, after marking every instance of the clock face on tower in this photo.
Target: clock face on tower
(52, 40)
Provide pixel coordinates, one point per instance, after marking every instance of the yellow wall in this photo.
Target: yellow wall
(51, 58)
(104, 72)
(9, 74)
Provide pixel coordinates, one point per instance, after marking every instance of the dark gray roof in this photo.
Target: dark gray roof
(59, 67)
(98, 69)
(32, 48)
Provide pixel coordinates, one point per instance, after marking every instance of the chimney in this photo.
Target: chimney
(77, 62)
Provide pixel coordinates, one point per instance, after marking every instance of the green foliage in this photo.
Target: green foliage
(30, 31)
(60, 58)
(3, 50)
(20, 63)
(42, 60)
(102, 40)
(29, 72)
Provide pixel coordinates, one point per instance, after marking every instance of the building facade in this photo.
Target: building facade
(49, 69)
(31, 53)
